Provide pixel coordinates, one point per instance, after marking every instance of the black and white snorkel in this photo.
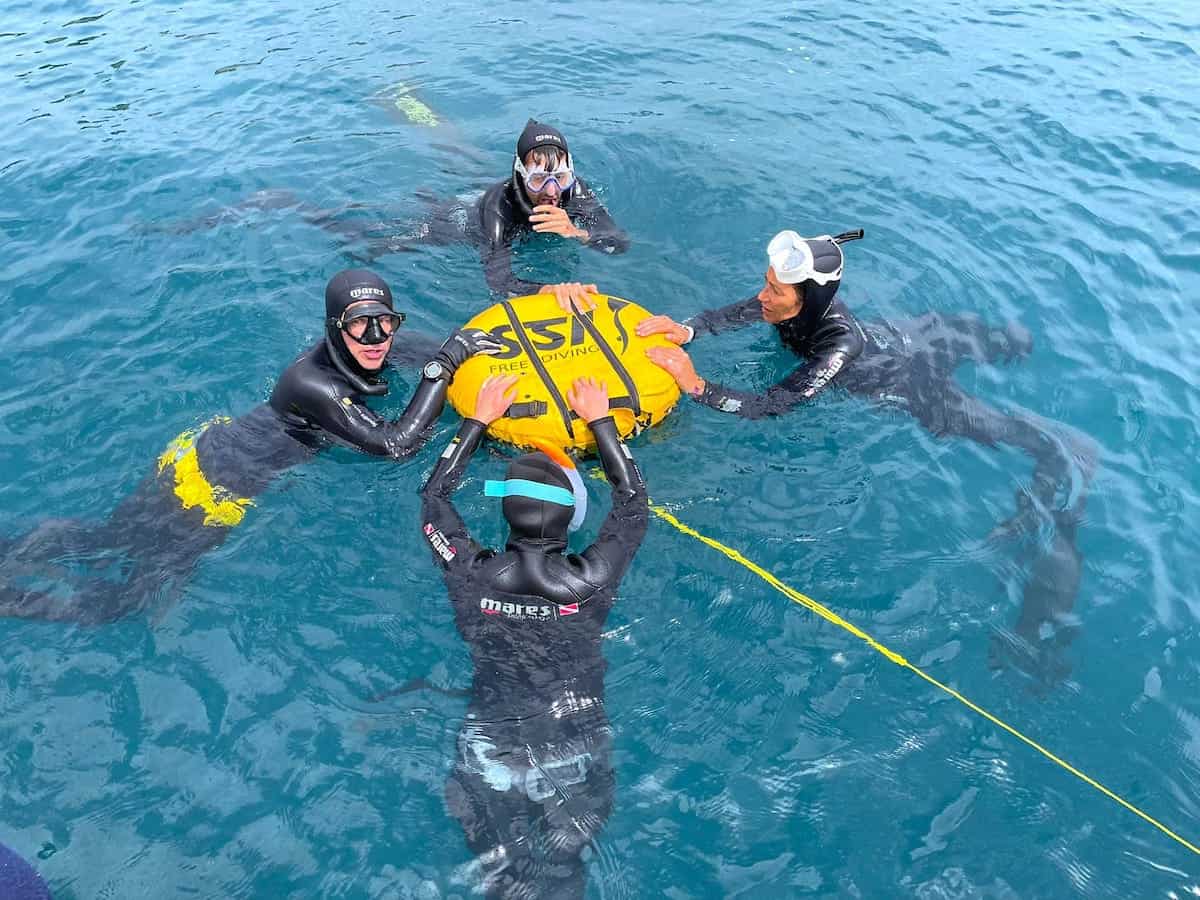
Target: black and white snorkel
(814, 263)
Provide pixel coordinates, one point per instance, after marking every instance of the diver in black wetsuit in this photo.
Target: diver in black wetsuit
(533, 782)
(909, 366)
(207, 478)
(543, 195)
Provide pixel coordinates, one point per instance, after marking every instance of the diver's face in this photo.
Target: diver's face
(551, 193)
(369, 356)
(779, 301)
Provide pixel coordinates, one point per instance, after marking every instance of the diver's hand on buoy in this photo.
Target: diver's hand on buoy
(589, 398)
(550, 219)
(573, 291)
(679, 365)
(666, 326)
(465, 343)
(496, 395)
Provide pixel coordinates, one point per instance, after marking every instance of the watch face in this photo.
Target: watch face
(433, 370)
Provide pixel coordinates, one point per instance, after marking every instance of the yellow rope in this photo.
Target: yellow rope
(830, 616)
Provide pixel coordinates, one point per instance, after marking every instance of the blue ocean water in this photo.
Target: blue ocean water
(1035, 162)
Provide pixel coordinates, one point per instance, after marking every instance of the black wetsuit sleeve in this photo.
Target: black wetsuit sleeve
(590, 214)
(496, 226)
(444, 528)
(830, 353)
(621, 534)
(727, 318)
(366, 430)
(496, 256)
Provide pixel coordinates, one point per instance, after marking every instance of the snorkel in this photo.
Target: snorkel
(814, 264)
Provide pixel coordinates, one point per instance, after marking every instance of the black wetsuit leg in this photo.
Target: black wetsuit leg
(366, 238)
(948, 340)
(917, 369)
(260, 202)
(529, 804)
(446, 222)
(93, 573)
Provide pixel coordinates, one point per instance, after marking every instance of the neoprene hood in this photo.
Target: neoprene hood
(538, 520)
(346, 287)
(538, 134)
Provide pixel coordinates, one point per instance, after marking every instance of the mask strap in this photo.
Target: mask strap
(520, 487)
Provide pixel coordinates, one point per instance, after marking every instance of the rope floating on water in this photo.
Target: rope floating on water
(830, 616)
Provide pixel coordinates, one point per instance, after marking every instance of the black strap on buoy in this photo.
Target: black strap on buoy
(536, 362)
(613, 360)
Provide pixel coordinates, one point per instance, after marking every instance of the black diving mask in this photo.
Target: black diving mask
(369, 324)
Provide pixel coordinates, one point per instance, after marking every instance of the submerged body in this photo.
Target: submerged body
(492, 222)
(533, 782)
(542, 196)
(910, 366)
(502, 217)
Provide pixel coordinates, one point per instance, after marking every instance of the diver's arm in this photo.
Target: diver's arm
(839, 346)
(621, 534)
(443, 527)
(496, 257)
(588, 213)
(362, 428)
(799, 387)
(495, 248)
(726, 318)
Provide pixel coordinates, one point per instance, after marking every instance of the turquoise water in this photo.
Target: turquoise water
(1035, 162)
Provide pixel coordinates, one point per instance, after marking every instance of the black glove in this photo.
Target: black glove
(464, 344)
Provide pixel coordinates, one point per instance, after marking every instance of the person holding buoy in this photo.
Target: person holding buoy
(207, 478)
(532, 785)
(907, 366)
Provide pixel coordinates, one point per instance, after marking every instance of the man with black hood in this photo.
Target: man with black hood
(908, 366)
(533, 781)
(543, 195)
(207, 477)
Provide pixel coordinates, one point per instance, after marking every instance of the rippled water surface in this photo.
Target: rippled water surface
(1031, 162)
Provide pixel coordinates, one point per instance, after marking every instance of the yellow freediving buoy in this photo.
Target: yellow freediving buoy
(549, 349)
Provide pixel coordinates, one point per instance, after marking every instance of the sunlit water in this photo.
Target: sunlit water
(1030, 162)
